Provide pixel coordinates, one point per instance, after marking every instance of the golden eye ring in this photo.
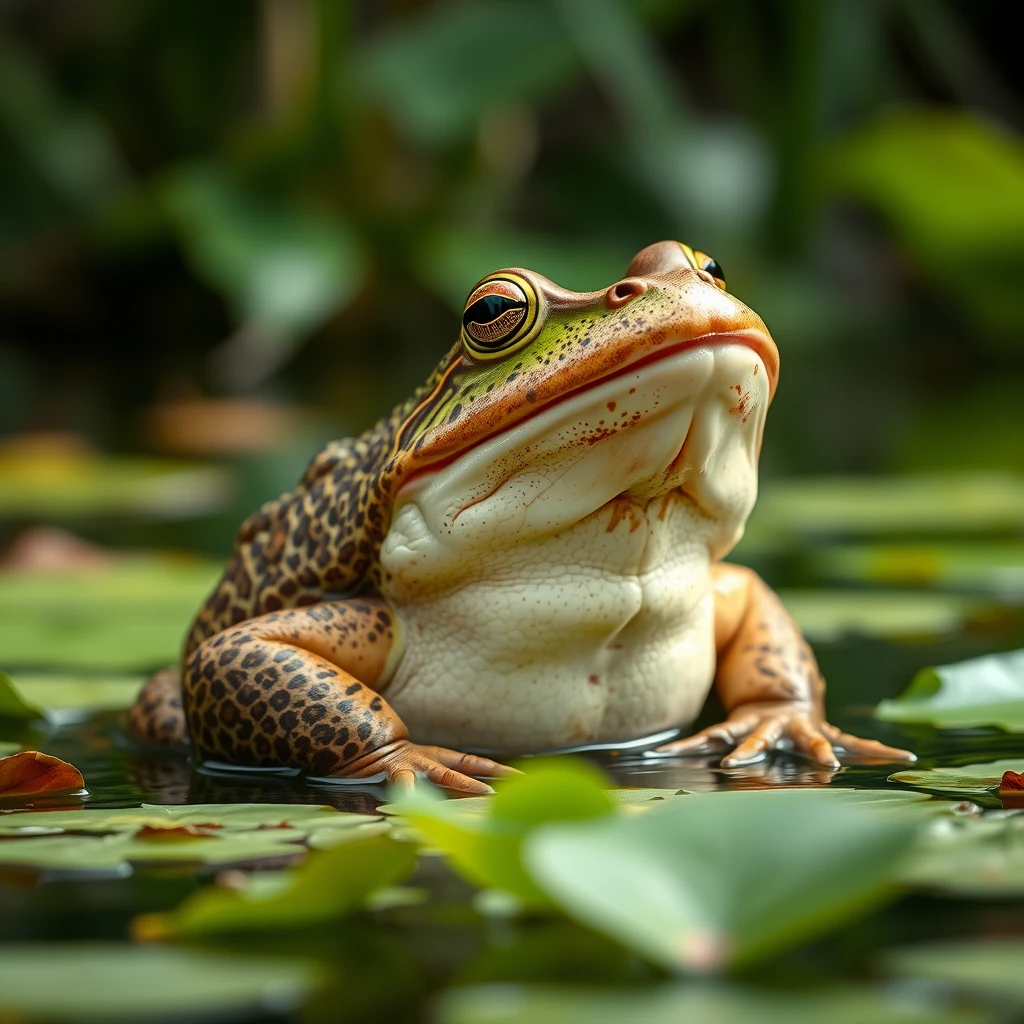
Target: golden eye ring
(502, 314)
(702, 261)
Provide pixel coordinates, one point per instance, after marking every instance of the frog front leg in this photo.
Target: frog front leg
(769, 683)
(296, 688)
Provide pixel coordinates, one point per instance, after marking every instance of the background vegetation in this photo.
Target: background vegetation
(232, 230)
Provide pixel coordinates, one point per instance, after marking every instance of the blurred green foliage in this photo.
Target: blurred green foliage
(288, 199)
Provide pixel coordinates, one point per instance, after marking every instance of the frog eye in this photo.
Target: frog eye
(702, 261)
(501, 315)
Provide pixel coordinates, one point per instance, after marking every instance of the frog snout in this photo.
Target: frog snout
(624, 291)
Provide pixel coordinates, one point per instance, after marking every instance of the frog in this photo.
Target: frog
(526, 556)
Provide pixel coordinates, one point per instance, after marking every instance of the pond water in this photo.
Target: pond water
(397, 962)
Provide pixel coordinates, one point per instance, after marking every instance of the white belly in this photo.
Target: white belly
(570, 602)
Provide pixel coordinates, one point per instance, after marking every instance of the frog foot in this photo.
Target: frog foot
(403, 761)
(754, 730)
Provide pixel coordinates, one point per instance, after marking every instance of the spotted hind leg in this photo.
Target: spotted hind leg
(295, 688)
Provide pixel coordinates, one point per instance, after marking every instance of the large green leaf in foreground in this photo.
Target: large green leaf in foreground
(107, 982)
(485, 848)
(328, 884)
(721, 878)
(967, 780)
(699, 1004)
(982, 691)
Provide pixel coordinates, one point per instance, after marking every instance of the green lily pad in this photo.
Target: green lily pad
(76, 853)
(67, 698)
(986, 691)
(962, 781)
(12, 704)
(985, 968)
(941, 503)
(673, 1004)
(684, 885)
(6, 749)
(485, 848)
(108, 982)
(301, 819)
(970, 857)
(130, 616)
(832, 614)
(330, 883)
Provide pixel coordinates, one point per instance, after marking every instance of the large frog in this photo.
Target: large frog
(524, 556)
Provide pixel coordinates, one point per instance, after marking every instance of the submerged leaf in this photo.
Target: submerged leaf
(987, 691)
(486, 848)
(685, 884)
(329, 884)
(964, 780)
(32, 772)
(679, 1004)
(121, 982)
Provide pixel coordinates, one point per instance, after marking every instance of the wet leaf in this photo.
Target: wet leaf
(330, 883)
(986, 968)
(970, 856)
(32, 772)
(12, 704)
(129, 616)
(486, 848)
(299, 819)
(108, 982)
(1011, 782)
(685, 885)
(676, 1004)
(986, 691)
(963, 780)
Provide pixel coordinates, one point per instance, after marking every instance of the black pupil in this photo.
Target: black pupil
(489, 308)
(714, 268)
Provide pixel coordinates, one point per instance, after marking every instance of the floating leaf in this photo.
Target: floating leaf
(128, 616)
(13, 705)
(986, 691)
(65, 698)
(962, 781)
(115, 982)
(31, 772)
(486, 848)
(831, 614)
(685, 884)
(675, 1004)
(970, 856)
(300, 819)
(939, 503)
(986, 968)
(329, 884)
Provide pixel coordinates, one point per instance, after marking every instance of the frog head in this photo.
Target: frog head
(588, 396)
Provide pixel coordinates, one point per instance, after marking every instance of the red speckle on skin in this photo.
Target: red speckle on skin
(593, 680)
(611, 407)
(632, 391)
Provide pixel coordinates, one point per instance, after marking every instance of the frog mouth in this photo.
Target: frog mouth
(757, 341)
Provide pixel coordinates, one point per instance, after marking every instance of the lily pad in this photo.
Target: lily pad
(6, 749)
(684, 885)
(986, 691)
(986, 968)
(962, 781)
(980, 856)
(108, 982)
(128, 616)
(485, 848)
(672, 1004)
(67, 698)
(329, 884)
(832, 614)
(302, 819)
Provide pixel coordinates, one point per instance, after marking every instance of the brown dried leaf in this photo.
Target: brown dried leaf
(1011, 781)
(32, 772)
(158, 833)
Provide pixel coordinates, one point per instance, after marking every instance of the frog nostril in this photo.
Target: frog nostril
(625, 291)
